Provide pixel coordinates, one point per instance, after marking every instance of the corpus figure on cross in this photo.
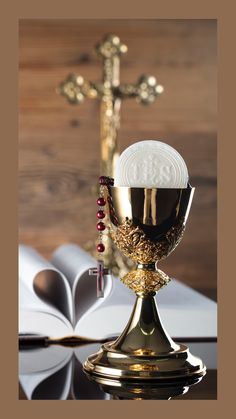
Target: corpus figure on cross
(100, 271)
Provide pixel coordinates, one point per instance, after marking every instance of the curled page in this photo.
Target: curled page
(75, 263)
(43, 287)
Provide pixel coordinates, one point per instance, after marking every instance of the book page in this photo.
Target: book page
(56, 386)
(57, 371)
(75, 263)
(45, 292)
(36, 316)
(184, 312)
(46, 373)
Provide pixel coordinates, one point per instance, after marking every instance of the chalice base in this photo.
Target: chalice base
(144, 351)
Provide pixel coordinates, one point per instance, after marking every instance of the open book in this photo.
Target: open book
(59, 299)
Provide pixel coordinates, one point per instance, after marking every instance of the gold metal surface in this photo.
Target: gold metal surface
(133, 243)
(145, 281)
(144, 351)
(147, 224)
(110, 92)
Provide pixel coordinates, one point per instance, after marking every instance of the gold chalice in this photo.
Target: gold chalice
(146, 225)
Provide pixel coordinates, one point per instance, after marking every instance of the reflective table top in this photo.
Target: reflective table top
(56, 373)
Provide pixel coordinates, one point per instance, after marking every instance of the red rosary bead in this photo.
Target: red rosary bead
(103, 180)
(101, 201)
(101, 226)
(100, 247)
(100, 214)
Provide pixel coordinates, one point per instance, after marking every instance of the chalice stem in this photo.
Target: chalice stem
(144, 333)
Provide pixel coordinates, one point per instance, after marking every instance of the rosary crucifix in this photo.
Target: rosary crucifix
(110, 91)
(100, 271)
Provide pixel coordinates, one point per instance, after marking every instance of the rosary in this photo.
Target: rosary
(101, 271)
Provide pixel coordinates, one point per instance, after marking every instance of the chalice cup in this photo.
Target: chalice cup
(146, 225)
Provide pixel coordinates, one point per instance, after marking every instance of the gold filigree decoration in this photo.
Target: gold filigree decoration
(145, 282)
(134, 244)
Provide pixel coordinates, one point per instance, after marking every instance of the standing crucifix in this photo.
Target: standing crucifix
(110, 91)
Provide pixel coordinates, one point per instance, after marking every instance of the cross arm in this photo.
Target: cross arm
(145, 90)
(75, 89)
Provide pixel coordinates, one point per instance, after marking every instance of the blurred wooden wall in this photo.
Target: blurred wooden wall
(59, 143)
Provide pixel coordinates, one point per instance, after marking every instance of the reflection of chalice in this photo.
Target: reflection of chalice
(145, 390)
(146, 225)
